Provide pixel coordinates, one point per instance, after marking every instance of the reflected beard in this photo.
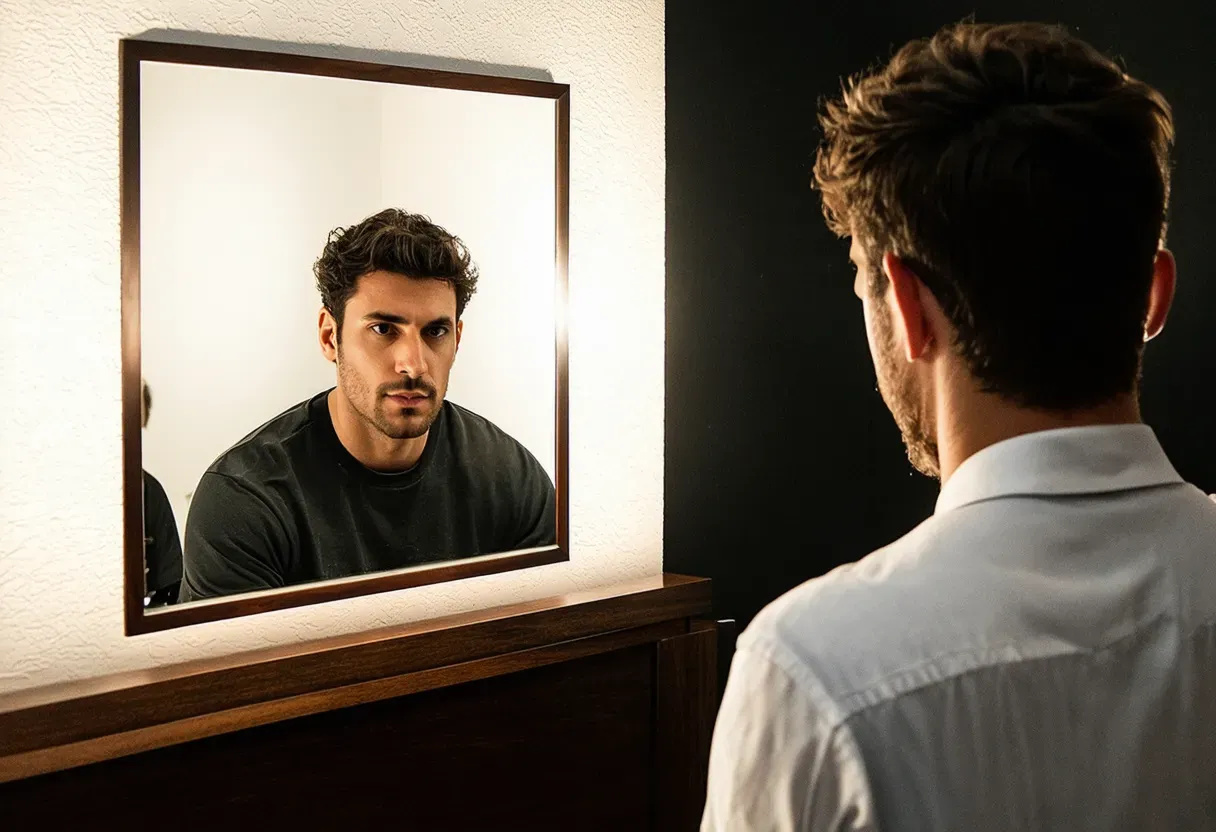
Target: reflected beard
(897, 384)
(415, 425)
(373, 406)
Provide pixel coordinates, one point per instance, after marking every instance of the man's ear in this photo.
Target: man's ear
(327, 334)
(1161, 295)
(459, 331)
(909, 302)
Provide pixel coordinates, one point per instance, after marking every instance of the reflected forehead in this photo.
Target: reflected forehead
(403, 296)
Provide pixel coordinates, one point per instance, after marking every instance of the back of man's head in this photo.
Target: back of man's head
(1024, 177)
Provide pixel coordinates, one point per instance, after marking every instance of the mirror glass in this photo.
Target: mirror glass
(347, 306)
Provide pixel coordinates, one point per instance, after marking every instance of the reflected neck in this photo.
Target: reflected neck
(368, 446)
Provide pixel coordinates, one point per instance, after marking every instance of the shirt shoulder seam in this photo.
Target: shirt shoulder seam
(801, 678)
(861, 699)
(837, 733)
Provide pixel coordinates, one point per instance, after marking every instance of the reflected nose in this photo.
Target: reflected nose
(410, 356)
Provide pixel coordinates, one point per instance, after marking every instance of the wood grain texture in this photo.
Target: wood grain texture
(132, 373)
(561, 126)
(113, 746)
(686, 684)
(66, 716)
(132, 52)
(563, 747)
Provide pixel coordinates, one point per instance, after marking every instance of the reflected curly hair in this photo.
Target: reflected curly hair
(392, 241)
(1024, 177)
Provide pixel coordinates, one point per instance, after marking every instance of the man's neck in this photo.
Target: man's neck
(369, 446)
(973, 421)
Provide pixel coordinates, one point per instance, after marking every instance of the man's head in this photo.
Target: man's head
(393, 289)
(146, 405)
(1005, 187)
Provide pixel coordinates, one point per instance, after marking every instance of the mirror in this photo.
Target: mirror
(344, 363)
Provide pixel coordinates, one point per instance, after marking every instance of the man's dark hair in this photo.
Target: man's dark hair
(1024, 177)
(392, 241)
(147, 404)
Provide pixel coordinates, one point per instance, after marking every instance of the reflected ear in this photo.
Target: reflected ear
(327, 334)
(459, 330)
(1161, 295)
(909, 307)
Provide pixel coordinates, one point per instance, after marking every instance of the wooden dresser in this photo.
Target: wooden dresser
(586, 711)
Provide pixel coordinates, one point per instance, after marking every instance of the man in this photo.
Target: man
(380, 472)
(1041, 652)
(162, 545)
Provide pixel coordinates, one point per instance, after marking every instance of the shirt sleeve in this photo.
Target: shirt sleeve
(234, 541)
(779, 762)
(537, 512)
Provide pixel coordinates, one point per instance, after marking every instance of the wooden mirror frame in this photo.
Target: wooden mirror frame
(132, 53)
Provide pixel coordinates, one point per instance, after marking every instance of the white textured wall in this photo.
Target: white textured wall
(60, 488)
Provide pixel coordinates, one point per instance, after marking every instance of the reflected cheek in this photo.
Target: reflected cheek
(443, 371)
(370, 360)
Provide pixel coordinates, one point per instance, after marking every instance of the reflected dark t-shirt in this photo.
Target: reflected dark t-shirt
(289, 504)
(162, 546)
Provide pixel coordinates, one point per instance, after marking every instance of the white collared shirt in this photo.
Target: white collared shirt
(1040, 654)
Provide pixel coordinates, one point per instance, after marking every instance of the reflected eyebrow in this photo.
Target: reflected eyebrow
(390, 318)
(387, 317)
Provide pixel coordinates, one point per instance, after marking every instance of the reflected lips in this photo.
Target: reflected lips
(408, 400)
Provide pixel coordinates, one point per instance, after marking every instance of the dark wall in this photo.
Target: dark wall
(781, 460)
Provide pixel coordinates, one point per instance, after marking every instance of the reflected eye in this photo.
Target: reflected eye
(382, 329)
(437, 331)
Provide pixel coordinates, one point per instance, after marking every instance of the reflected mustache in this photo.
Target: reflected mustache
(410, 387)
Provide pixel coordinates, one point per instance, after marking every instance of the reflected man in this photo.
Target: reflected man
(379, 472)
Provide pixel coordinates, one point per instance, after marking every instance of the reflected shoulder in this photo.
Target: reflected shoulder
(475, 427)
(266, 442)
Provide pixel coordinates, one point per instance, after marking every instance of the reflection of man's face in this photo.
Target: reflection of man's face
(399, 339)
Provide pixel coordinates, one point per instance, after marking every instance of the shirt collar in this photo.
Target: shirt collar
(1085, 460)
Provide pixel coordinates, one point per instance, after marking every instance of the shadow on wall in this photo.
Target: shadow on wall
(345, 53)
